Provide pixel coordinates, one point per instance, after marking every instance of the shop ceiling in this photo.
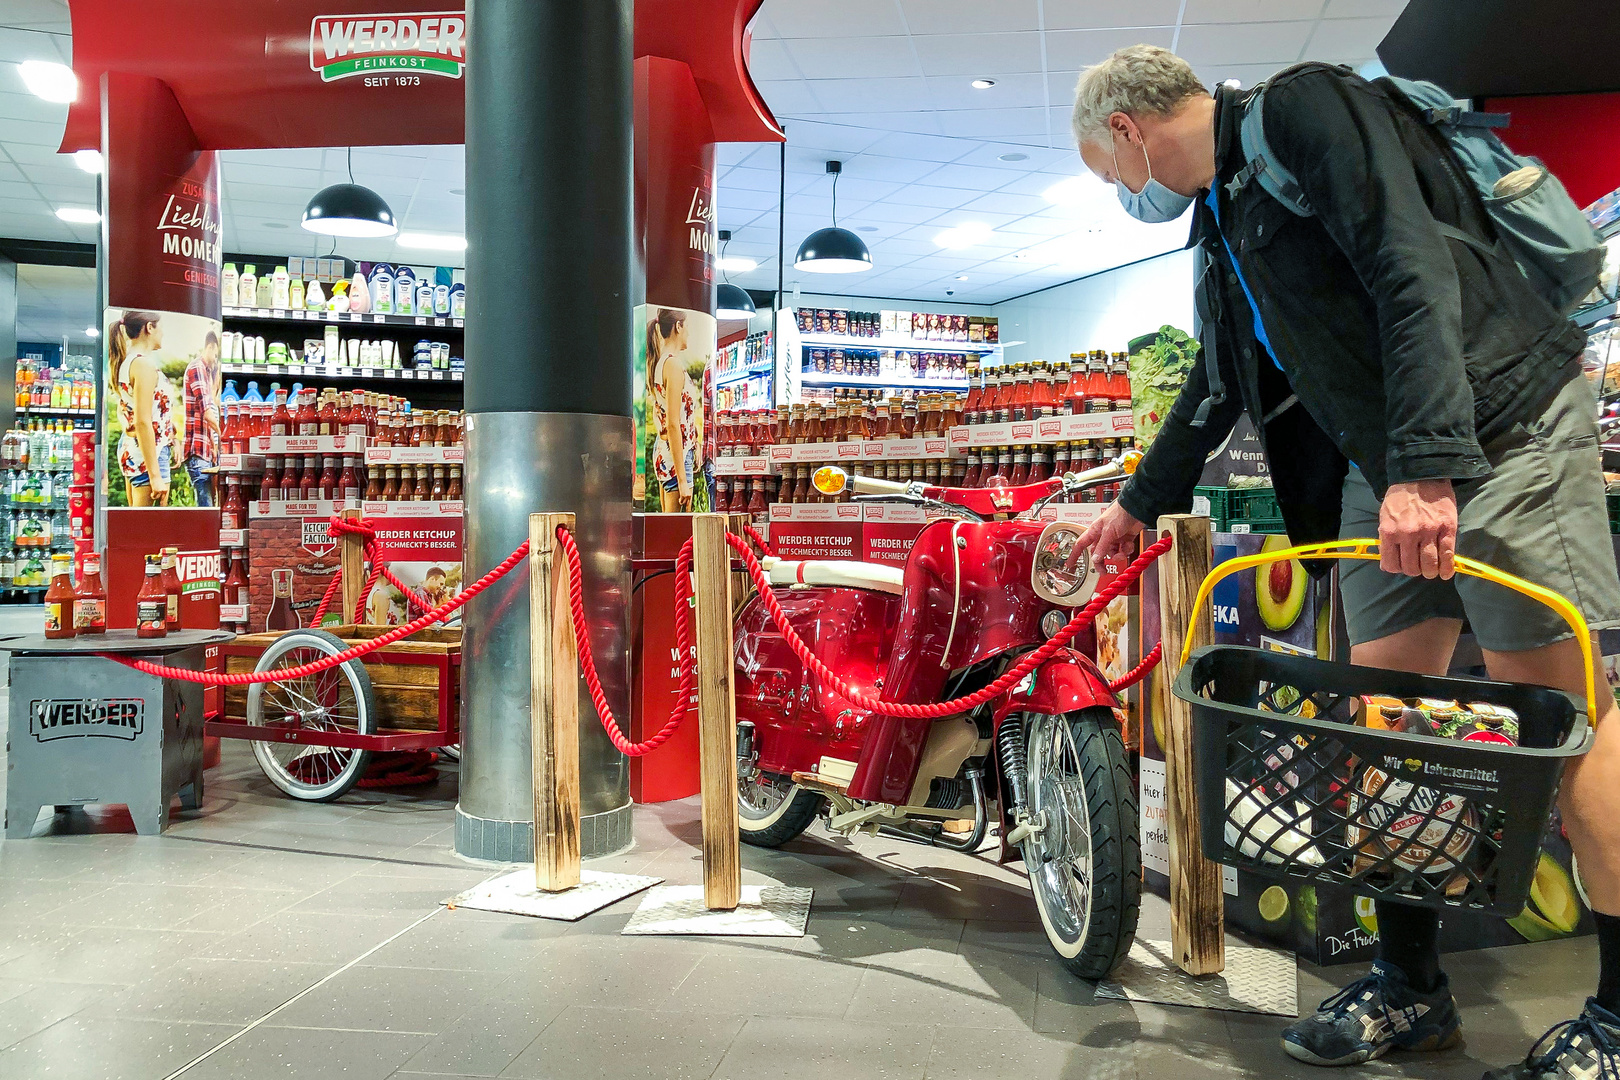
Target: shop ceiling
(883, 85)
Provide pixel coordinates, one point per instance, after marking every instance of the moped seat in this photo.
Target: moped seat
(836, 573)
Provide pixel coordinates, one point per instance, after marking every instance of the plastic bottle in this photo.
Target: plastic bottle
(295, 294)
(59, 599)
(90, 599)
(359, 294)
(171, 590)
(404, 291)
(339, 300)
(382, 288)
(280, 289)
(247, 287)
(227, 286)
(424, 297)
(151, 603)
(314, 297)
(458, 301)
(253, 396)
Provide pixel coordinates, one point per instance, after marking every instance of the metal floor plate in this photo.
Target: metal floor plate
(765, 911)
(516, 893)
(1255, 981)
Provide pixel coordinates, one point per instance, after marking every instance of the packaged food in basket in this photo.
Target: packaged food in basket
(1272, 830)
(1483, 722)
(1419, 828)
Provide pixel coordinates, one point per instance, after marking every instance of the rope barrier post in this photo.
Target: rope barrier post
(352, 565)
(717, 719)
(554, 708)
(1197, 906)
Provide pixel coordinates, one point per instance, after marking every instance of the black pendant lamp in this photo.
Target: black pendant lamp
(731, 301)
(349, 210)
(834, 250)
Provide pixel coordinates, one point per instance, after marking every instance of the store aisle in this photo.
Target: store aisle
(306, 941)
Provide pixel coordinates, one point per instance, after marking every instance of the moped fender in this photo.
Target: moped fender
(1066, 683)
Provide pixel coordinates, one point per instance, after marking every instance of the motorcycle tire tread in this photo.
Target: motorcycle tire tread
(803, 806)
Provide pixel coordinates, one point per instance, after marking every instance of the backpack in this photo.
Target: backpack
(1538, 225)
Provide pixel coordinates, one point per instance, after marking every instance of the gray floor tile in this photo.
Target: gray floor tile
(95, 954)
(959, 1053)
(465, 940)
(386, 999)
(283, 1053)
(108, 1049)
(263, 868)
(617, 1044)
(490, 1035)
(147, 906)
(827, 1050)
(748, 985)
(215, 991)
(38, 1005)
(305, 936)
(925, 995)
(403, 892)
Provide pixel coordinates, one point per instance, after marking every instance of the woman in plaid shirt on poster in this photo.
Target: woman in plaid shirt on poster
(202, 386)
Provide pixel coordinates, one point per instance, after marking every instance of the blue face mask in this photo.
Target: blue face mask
(1155, 203)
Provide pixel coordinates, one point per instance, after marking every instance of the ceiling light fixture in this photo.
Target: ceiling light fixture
(961, 277)
(834, 250)
(730, 301)
(50, 80)
(966, 235)
(432, 241)
(982, 84)
(78, 215)
(92, 332)
(738, 263)
(1015, 156)
(349, 210)
(88, 160)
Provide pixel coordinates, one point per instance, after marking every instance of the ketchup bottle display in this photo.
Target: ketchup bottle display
(373, 483)
(309, 481)
(970, 478)
(150, 603)
(1074, 392)
(280, 417)
(59, 599)
(281, 615)
(170, 568)
(328, 485)
(452, 487)
(1020, 468)
(349, 479)
(90, 599)
(1023, 394)
(233, 510)
(236, 580)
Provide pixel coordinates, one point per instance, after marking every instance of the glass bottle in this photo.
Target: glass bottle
(233, 509)
(970, 477)
(236, 580)
(1023, 394)
(309, 481)
(1004, 464)
(1119, 382)
(373, 483)
(59, 612)
(975, 393)
(422, 489)
(348, 485)
(304, 418)
(170, 568)
(151, 603)
(390, 489)
(328, 484)
(326, 417)
(280, 416)
(282, 615)
(1043, 401)
(90, 599)
(1020, 467)
(436, 489)
(1099, 398)
(452, 488)
(1040, 464)
(784, 417)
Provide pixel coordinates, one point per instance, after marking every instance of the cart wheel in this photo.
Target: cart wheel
(337, 699)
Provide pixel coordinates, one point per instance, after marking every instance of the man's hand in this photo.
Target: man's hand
(1113, 533)
(1417, 529)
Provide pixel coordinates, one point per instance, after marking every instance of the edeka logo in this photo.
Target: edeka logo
(423, 42)
(100, 718)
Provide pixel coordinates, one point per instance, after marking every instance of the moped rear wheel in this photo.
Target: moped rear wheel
(771, 809)
(1085, 860)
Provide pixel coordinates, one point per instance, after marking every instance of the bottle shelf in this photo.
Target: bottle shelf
(334, 371)
(898, 382)
(894, 341)
(957, 440)
(416, 455)
(344, 318)
(852, 513)
(47, 410)
(736, 375)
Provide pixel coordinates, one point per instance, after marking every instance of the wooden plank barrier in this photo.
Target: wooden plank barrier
(554, 707)
(352, 565)
(1197, 906)
(717, 724)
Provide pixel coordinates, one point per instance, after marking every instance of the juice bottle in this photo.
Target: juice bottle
(90, 599)
(281, 615)
(170, 568)
(59, 599)
(151, 604)
(349, 480)
(233, 509)
(452, 488)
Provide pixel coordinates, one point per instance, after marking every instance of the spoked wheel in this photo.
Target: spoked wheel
(771, 809)
(337, 699)
(1085, 861)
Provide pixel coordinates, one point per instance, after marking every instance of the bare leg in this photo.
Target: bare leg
(1425, 648)
(1590, 798)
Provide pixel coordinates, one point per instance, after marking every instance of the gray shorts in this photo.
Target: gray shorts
(1540, 515)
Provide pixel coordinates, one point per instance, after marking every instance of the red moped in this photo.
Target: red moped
(986, 581)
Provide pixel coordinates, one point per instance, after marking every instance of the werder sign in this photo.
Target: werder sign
(422, 42)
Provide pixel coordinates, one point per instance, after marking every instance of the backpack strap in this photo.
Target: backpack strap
(1260, 165)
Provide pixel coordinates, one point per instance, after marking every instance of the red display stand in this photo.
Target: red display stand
(671, 771)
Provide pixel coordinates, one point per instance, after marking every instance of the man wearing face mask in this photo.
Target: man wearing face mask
(1407, 382)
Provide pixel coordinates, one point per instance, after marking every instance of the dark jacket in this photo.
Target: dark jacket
(1406, 349)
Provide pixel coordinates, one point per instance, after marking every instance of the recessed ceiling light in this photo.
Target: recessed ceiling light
(1236, 84)
(961, 277)
(1013, 157)
(92, 332)
(275, 224)
(432, 241)
(736, 262)
(964, 235)
(50, 80)
(88, 160)
(983, 84)
(458, 191)
(78, 215)
(867, 228)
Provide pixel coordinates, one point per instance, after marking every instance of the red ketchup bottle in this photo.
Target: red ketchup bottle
(90, 600)
(151, 603)
(171, 590)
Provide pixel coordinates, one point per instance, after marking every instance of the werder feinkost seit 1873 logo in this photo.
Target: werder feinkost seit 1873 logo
(429, 42)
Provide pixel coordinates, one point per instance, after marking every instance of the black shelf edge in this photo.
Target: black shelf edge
(344, 319)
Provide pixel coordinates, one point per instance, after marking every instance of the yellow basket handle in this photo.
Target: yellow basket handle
(1367, 550)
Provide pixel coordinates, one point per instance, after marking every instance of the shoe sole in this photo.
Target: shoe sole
(1359, 1057)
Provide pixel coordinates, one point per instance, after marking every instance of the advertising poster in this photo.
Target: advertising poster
(674, 409)
(423, 552)
(161, 404)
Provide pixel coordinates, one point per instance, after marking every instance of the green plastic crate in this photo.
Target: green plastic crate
(1253, 507)
(1613, 499)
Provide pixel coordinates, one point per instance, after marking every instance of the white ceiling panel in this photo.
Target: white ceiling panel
(1346, 39)
(968, 16)
(956, 92)
(1388, 10)
(834, 18)
(1091, 14)
(769, 60)
(993, 123)
(972, 178)
(1243, 43)
(909, 95)
(1248, 11)
(975, 54)
(1071, 50)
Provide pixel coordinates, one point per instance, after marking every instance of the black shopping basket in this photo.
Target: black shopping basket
(1302, 792)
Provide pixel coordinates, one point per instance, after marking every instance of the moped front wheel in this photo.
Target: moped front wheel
(1084, 860)
(771, 810)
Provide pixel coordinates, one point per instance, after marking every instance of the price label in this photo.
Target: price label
(438, 322)
(390, 373)
(369, 372)
(455, 376)
(263, 313)
(420, 321)
(379, 318)
(458, 322)
(277, 369)
(438, 376)
(333, 371)
(295, 313)
(331, 316)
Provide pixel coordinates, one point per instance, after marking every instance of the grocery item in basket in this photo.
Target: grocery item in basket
(1422, 828)
(1271, 830)
(1487, 723)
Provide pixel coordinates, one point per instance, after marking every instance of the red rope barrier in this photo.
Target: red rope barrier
(1006, 681)
(760, 542)
(1139, 672)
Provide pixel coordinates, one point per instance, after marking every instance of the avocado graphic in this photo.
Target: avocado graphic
(1324, 631)
(1305, 908)
(1553, 910)
(1279, 589)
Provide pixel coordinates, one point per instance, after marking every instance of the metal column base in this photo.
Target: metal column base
(495, 841)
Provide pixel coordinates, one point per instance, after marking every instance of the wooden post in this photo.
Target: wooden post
(554, 708)
(352, 565)
(742, 587)
(717, 724)
(1197, 906)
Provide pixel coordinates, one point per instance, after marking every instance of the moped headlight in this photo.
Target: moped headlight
(1062, 573)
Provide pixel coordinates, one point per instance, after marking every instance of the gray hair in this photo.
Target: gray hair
(1135, 80)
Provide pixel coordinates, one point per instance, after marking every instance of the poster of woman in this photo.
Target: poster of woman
(674, 409)
(162, 408)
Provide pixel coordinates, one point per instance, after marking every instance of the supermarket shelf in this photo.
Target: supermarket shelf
(332, 371)
(821, 378)
(46, 410)
(416, 455)
(862, 450)
(739, 374)
(1108, 425)
(309, 444)
(345, 318)
(893, 341)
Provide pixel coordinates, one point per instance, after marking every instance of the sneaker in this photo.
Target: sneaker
(1585, 1048)
(1375, 1014)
